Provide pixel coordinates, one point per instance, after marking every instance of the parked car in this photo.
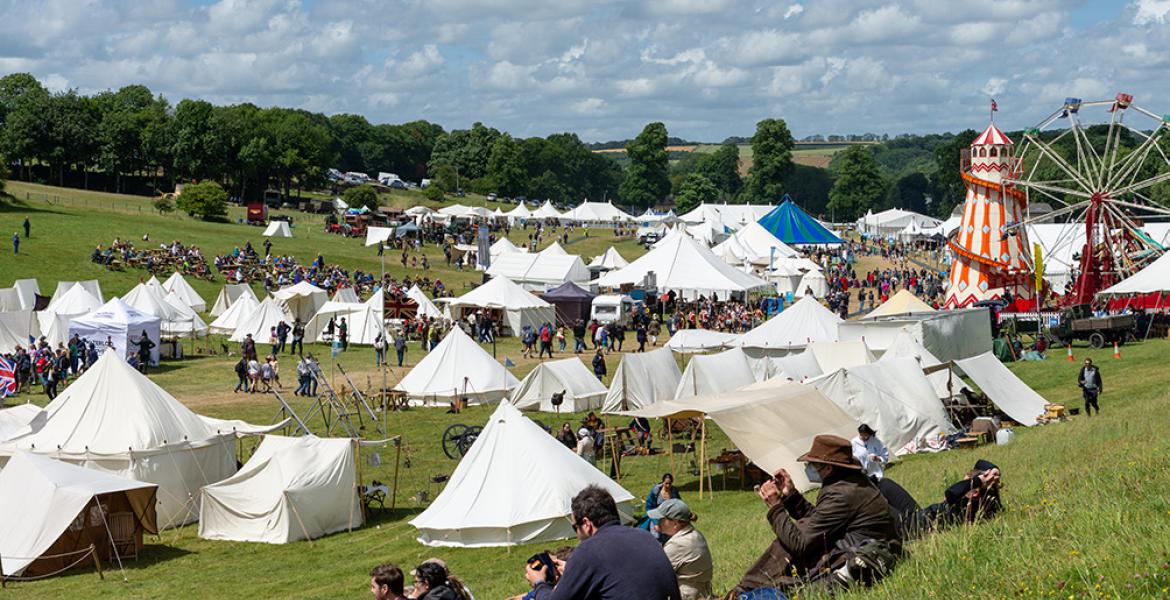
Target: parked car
(491, 197)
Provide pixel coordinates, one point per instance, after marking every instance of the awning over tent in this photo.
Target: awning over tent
(514, 486)
(293, 488)
(582, 391)
(1011, 395)
(794, 226)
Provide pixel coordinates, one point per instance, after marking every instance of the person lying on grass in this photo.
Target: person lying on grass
(975, 497)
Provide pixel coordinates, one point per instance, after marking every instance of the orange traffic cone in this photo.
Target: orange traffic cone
(1070, 356)
(1116, 351)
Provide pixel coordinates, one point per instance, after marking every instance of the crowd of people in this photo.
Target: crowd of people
(167, 258)
(39, 364)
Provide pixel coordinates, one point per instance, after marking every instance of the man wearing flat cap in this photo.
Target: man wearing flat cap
(849, 509)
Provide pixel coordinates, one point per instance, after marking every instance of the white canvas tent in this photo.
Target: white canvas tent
(893, 397)
(504, 246)
(261, 321)
(302, 300)
(902, 303)
(9, 340)
(583, 392)
(457, 368)
(43, 513)
(642, 379)
(520, 212)
(598, 213)
(292, 488)
(177, 284)
(1011, 395)
(91, 285)
(514, 486)
(813, 283)
(228, 294)
(346, 294)
(1154, 278)
(831, 356)
(236, 315)
(797, 326)
(426, 308)
(175, 317)
(687, 268)
(518, 306)
(114, 419)
(945, 382)
(122, 324)
(709, 374)
(277, 229)
(14, 419)
(546, 211)
(21, 296)
(363, 321)
(76, 300)
(23, 323)
(554, 249)
(609, 260)
(689, 341)
(378, 235)
(539, 271)
(754, 245)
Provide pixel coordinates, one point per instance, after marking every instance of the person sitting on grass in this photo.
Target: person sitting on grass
(973, 498)
(659, 493)
(685, 547)
(432, 581)
(849, 511)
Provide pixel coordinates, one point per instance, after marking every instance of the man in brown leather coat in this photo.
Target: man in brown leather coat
(849, 507)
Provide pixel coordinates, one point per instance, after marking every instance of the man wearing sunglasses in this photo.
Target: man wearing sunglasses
(612, 562)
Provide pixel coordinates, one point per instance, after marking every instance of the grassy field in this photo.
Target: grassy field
(1087, 513)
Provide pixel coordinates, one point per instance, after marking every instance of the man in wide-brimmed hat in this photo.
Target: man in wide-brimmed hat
(849, 508)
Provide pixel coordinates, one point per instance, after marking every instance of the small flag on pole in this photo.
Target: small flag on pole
(994, 106)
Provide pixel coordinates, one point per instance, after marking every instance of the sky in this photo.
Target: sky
(708, 69)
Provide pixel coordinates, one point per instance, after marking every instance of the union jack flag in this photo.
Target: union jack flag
(7, 378)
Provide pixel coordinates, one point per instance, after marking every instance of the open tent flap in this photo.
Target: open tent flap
(1007, 391)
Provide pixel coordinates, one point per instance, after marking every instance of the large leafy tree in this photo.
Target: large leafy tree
(362, 195)
(466, 150)
(771, 162)
(24, 114)
(693, 191)
(195, 143)
(721, 168)
(648, 176)
(859, 185)
(505, 166)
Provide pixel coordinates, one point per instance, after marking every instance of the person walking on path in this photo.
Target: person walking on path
(1089, 380)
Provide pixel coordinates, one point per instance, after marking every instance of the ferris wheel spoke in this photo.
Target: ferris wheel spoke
(1055, 189)
(1106, 157)
(1091, 160)
(1130, 166)
(1145, 183)
(1152, 207)
(1059, 161)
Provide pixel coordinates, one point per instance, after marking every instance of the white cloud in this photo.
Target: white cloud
(793, 11)
(995, 86)
(505, 75)
(424, 62)
(1151, 11)
(589, 106)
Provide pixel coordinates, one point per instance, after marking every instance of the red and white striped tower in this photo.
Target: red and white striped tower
(989, 258)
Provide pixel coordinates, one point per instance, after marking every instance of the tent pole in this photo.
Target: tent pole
(670, 444)
(397, 460)
(357, 459)
(702, 452)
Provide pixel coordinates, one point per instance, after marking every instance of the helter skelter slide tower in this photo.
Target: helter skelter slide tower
(1097, 162)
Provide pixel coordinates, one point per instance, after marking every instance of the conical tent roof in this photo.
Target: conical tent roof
(568, 291)
(75, 300)
(546, 211)
(189, 323)
(686, 267)
(292, 488)
(228, 294)
(113, 409)
(795, 327)
(514, 486)
(505, 246)
(457, 368)
(554, 248)
(609, 260)
(346, 294)
(500, 292)
(753, 244)
(426, 308)
(794, 226)
(521, 212)
(236, 315)
(178, 284)
(150, 300)
(902, 303)
(569, 375)
(302, 299)
(91, 285)
(260, 322)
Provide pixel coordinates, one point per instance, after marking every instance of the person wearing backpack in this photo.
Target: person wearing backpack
(546, 336)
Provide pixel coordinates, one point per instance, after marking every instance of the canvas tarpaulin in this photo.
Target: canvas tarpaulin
(1007, 391)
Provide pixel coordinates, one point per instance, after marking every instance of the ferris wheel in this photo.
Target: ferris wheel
(1098, 163)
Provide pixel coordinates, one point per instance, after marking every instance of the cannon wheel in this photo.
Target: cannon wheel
(451, 440)
(468, 438)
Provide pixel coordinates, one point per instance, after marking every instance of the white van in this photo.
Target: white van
(612, 308)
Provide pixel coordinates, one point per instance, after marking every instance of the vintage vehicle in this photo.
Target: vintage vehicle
(1078, 323)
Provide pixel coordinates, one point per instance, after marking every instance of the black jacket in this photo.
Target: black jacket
(1094, 381)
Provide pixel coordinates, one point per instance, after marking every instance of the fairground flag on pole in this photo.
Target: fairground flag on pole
(994, 106)
(7, 378)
